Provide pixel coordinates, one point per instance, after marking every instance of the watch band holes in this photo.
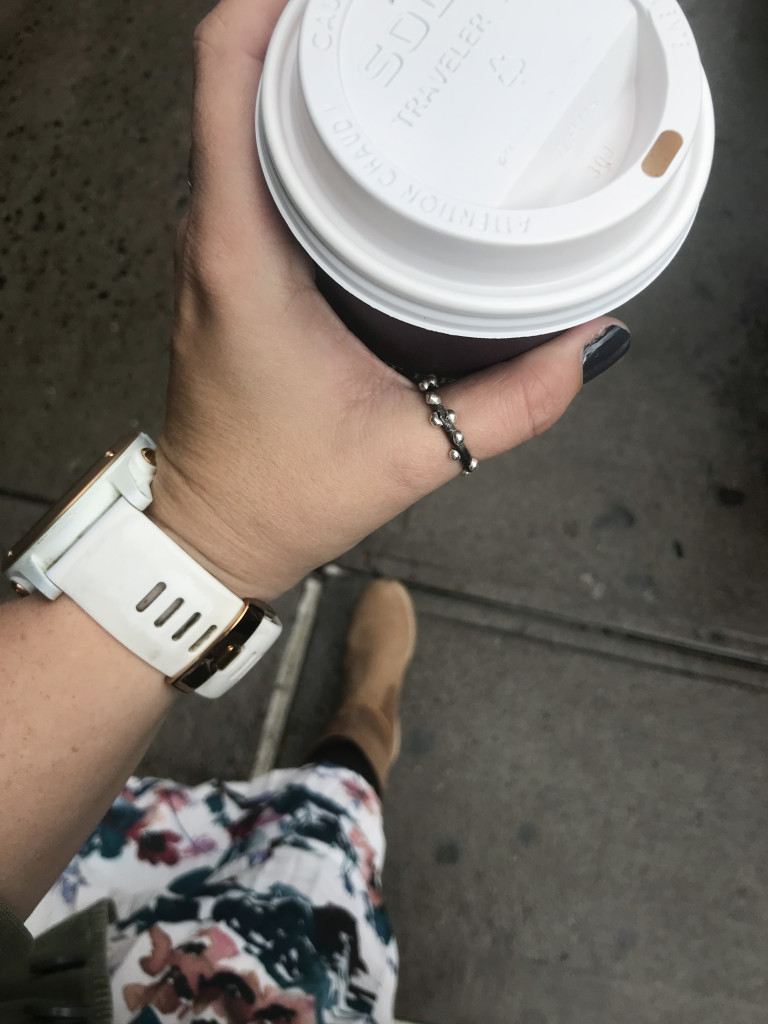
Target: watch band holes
(204, 637)
(183, 629)
(153, 595)
(172, 608)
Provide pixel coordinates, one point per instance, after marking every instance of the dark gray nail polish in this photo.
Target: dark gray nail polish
(606, 349)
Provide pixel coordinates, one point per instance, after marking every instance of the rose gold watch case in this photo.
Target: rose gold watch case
(75, 492)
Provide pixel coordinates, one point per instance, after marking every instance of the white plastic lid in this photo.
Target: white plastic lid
(489, 167)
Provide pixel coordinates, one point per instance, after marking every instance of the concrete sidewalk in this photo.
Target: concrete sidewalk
(577, 827)
(577, 830)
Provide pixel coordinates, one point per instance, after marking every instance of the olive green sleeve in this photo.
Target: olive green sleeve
(63, 969)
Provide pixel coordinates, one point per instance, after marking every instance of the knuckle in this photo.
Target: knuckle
(210, 32)
(538, 404)
(406, 478)
(204, 281)
(210, 262)
(402, 454)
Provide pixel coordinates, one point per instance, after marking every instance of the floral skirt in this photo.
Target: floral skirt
(240, 902)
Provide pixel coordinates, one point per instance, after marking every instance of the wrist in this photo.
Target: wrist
(192, 519)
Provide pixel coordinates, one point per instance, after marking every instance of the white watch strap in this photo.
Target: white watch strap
(159, 603)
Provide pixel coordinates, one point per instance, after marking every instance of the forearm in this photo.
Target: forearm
(78, 712)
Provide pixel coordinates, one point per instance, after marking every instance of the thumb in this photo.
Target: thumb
(508, 404)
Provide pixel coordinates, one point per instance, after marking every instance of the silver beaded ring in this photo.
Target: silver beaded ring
(446, 420)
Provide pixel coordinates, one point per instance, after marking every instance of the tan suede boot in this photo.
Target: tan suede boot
(380, 643)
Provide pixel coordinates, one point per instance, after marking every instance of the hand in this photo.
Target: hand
(286, 441)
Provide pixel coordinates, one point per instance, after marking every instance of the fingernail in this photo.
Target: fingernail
(606, 349)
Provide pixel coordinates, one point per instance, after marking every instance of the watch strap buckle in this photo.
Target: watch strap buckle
(224, 650)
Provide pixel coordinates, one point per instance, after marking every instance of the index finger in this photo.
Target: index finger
(230, 47)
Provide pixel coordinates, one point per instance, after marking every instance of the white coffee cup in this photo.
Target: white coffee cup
(474, 176)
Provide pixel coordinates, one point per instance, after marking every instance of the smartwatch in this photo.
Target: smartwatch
(97, 546)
